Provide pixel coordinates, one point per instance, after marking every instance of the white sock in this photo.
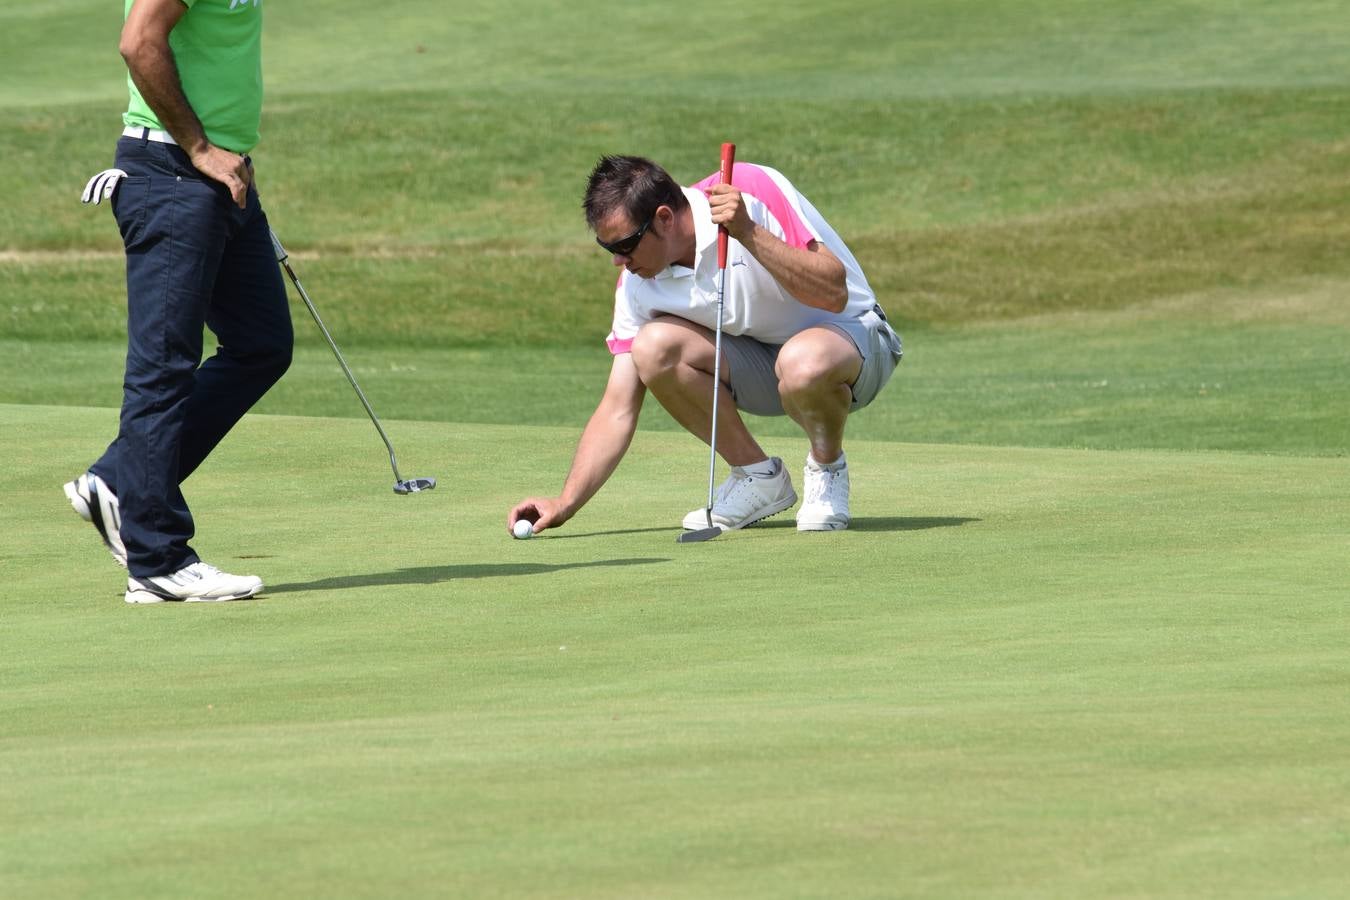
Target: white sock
(828, 467)
(766, 469)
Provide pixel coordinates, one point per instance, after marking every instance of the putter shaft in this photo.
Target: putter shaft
(717, 391)
(712, 531)
(401, 486)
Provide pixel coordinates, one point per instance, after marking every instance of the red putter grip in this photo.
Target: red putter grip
(728, 160)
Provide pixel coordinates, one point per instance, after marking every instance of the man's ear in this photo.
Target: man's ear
(665, 217)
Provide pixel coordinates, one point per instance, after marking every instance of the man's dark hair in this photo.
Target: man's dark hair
(633, 183)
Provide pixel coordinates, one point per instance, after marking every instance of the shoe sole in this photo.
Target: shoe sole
(142, 593)
(152, 597)
(823, 526)
(78, 503)
(90, 513)
(774, 510)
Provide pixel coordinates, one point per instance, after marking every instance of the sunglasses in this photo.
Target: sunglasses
(626, 245)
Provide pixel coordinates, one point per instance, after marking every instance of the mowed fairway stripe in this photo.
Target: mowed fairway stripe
(1078, 672)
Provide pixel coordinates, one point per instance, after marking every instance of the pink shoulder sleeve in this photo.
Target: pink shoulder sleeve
(754, 181)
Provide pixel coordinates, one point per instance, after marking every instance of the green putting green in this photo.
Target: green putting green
(1085, 637)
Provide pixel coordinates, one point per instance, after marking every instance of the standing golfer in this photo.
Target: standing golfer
(197, 253)
(802, 335)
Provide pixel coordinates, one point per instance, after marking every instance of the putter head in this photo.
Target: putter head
(694, 537)
(414, 485)
(702, 534)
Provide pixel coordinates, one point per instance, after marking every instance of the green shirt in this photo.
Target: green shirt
(217, 46)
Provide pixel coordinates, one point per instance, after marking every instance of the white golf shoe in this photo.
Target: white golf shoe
(91, 497)
(826, 505)
(196, 583)
(745, 499)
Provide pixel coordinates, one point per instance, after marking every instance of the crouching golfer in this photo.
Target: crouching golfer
(198, 252)
(802, 335)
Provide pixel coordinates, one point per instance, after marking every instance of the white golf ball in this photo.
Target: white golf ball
(523, 530)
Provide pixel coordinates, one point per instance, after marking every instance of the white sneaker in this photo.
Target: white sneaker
(197, 583)
(96, 503)
(744, 499)
(826, 505)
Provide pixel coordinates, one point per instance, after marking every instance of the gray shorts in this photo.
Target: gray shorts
(755, 386)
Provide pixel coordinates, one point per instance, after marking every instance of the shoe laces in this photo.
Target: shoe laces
(740, 490)
(734, 486)
(202, 570)
(821, 485)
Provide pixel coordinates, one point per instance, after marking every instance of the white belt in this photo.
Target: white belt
(148, 134)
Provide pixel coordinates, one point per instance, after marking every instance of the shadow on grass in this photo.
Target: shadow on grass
(878, 523)
(908, 523)
(883, 523)
(554, 536)
(438, 574)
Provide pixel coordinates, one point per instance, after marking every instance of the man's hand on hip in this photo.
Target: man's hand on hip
(229, 168)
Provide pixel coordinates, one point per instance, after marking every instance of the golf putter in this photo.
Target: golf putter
(401, 485)
(712, 531)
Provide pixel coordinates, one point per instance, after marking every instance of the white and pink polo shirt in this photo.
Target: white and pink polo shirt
(754, 304)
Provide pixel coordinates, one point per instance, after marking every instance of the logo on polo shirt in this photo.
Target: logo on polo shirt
(235, 3)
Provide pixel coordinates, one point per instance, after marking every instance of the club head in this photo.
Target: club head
(414, 485)
(694, 537)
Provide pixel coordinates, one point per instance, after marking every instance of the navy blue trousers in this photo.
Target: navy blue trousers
(194, 259)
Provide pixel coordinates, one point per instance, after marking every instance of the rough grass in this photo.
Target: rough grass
(961, 210)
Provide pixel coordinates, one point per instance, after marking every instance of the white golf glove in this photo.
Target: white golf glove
(102, 185)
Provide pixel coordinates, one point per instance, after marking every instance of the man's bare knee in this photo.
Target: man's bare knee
(657, 349)
(801, 370)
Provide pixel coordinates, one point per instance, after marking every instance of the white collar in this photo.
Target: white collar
(705, 233)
